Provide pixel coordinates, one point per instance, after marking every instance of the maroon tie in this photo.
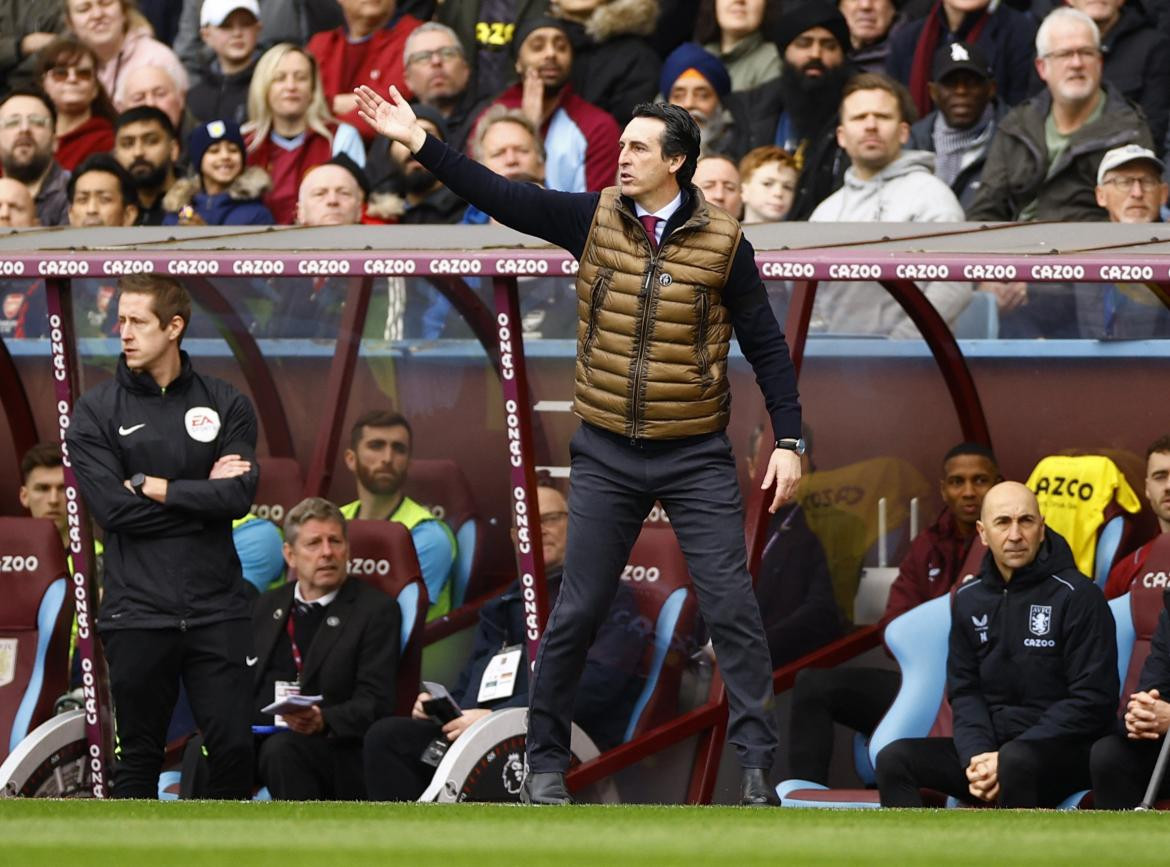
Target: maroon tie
(650, 222)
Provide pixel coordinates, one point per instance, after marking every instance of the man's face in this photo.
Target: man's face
(1102, 11)
(145, 340)
(418, 179)
(43, 494)
(1158, 487)
(17, 208)
(153, 85)
(318, 558)
(872, 131)
(1072, 67)
(642, 167)
(97, 201)
(554, 525)
(366, 10)
(436, 69)
(97, 23)
(768, 192)
(1133, 193)
(813, 52)
(696, 95)
(508, 149)
(1011, 526)
(26, 138)
(146, 151)
(329, 196)
(966, 480)
(719, 181)
(235, 39)
(868, 20)
(548, 51)
(381, 460)
(962, 97)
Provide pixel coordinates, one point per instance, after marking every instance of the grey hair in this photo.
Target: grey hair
(429, 27)
(311, 509)
(502, 114)
(1065, 14)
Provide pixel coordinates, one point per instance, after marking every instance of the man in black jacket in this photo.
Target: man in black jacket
(1031, 673)
(165, 459)
(325, 634)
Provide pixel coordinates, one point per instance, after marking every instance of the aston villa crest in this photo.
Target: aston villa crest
(7, 660)
(1040, 619)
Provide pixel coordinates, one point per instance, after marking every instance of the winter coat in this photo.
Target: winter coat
(217, 96)
(1137, 63)
(970, 178)
(240, 205)
(613, 66)
(751, 62)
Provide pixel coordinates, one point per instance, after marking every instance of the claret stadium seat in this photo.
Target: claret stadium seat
(34, 626)
(441, 486)
(281, 487)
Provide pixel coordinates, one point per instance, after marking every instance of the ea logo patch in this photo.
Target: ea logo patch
(202, 423)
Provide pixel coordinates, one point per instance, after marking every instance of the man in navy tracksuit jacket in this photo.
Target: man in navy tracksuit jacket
(1031, 673)
(165, 459)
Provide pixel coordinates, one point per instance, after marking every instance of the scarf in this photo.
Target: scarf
(928, 42)
(952, 146)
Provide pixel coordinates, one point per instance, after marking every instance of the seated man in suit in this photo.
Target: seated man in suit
(609, 686)
(325, 634)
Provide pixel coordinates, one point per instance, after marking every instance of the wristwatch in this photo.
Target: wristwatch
(137, 481)
(793, 445)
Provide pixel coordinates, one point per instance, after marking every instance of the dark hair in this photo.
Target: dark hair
(68, 51)
(707, 23)
(968, 448)
(35, 92)
(46, 455)
(679, 138)
(377, 418)
(880, 81)
(104, 162)
(169, 297)
(1159, 446)
(142, 113)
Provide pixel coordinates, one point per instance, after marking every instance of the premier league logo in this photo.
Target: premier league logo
(1040, 619)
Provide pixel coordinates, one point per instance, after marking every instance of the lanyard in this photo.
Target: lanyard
(296, 651)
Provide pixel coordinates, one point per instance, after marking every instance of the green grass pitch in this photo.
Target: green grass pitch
(250, 835)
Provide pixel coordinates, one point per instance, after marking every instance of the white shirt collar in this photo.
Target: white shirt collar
(663, 214)
(323, 601)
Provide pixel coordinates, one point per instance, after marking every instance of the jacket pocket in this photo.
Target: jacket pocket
(597, 295)
(701, 355)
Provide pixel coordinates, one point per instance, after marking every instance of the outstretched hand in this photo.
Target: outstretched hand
(393, 118)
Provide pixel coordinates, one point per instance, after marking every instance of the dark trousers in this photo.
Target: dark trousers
(614, 486)
(146, 666)
(1031, 773)
(298, 767)
(391, 762)
(1121, 772)
(855, 697)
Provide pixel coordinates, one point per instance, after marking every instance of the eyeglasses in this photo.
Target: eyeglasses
(447, 52)
(61, 73)
(1067, 54)
(39, 121)
(553, 517)
(1145, 183)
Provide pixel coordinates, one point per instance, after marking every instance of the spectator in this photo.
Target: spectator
(146, 145)
(1158, 494)
(580, 139)
(609, 685)
(368, 49)
(22, 300)
(1137, 57)
(290, 130)
(508, 144)
(380, 446)
(153, 85)
(859, 697)
(798, 112)
(17, 208)
(102, 193)
(694, 79)
(487, 31)
(27, 141)
(959, 131)
(1026, 710)
(85, 115)
(219, 90)
(888, 183)
(1043, 160)
(769, 182)
(222, 192)
(121, 38)
(1002, 33)
(614, 68)
(718, 177)
(733, 31)
(427, 200)
(318, 755)
(25, 28)
(330, 195)
(871, 25)
(440, 77)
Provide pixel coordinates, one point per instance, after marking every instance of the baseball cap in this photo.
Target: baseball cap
(215, 12)
(960, 56)
(1129, 153)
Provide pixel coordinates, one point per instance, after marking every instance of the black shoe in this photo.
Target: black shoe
(545, 789)
(755, 791)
